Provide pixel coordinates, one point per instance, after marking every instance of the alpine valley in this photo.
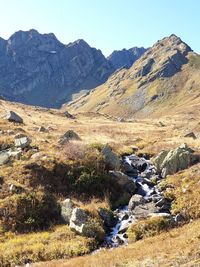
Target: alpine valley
(99, 157)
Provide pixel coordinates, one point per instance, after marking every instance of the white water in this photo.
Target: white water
(118, 234)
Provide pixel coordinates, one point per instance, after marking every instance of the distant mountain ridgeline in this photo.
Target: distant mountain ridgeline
(38, 69)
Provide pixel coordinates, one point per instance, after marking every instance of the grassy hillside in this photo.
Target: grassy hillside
(30, 224)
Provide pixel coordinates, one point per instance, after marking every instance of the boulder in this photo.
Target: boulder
(135, 201)
(108, 217)
(14, 117)
(22, 142)
(67, 207)
(42, 129)
(140, 208)
(4, 158)
(111, 158)
(124, 181)
(78, 220)
(69, 135)
(170, 162)
(68, 115)
(191, 135)
(85, 225)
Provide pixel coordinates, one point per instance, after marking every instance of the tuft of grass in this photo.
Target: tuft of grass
(58, 243)
(150, 227)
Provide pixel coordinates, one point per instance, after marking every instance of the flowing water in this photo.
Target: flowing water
(142, 172)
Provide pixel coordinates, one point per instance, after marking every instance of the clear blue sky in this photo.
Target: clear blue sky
(105, 24)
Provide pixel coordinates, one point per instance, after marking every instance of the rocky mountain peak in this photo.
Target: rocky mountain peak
(163, 59)
(126, 57)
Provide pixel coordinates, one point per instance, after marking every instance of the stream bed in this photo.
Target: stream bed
(147, 201)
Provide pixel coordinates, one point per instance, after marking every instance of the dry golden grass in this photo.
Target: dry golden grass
(97, 130)
(178, 247)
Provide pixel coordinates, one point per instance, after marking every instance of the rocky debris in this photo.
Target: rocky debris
(68, 115)
(22, 142)
(4, 158)
(67, 207)
(42, 129)
(191, 135)
(14, 117)
(111, 158)
(69, 135)
(124, 181)
(170, 162)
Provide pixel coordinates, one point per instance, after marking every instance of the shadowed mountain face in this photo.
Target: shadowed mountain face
(168, 71)
(125, 57)
(38, 69)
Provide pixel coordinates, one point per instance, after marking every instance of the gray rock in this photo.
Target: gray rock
(67, 207)
(108, 217)
(42, 129)
(135, 201)
(78, 219)
(191, 135)
(111, 159)
(22, 142)
(84, 225)
(69, 135)
(14, 117)
(4, 158)
(170, 162)
(124, 181)
(68, 115)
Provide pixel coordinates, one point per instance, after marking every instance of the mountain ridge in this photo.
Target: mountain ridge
(38, 69)
(163, 71)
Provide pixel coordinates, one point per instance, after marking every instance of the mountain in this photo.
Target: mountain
(38, 69)
(125, 57)
(166, 76)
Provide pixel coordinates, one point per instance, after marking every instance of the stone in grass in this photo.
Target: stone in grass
(14, 117)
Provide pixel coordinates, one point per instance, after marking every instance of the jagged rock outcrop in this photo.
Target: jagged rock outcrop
(138, 91)
(38, 69)
(126, 57)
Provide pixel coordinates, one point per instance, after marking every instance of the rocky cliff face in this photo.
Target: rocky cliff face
(38, 69)
(126, 57)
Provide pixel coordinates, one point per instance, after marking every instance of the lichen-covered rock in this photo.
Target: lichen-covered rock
(67, 207)
(83, 224)
(169, 162)
(111, 159)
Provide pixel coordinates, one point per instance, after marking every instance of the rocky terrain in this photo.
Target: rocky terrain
(122, 187)
(126, 57)
(67, 190)
(167, 74)
(38, 69)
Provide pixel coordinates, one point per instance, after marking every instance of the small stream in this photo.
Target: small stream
(143, 173)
